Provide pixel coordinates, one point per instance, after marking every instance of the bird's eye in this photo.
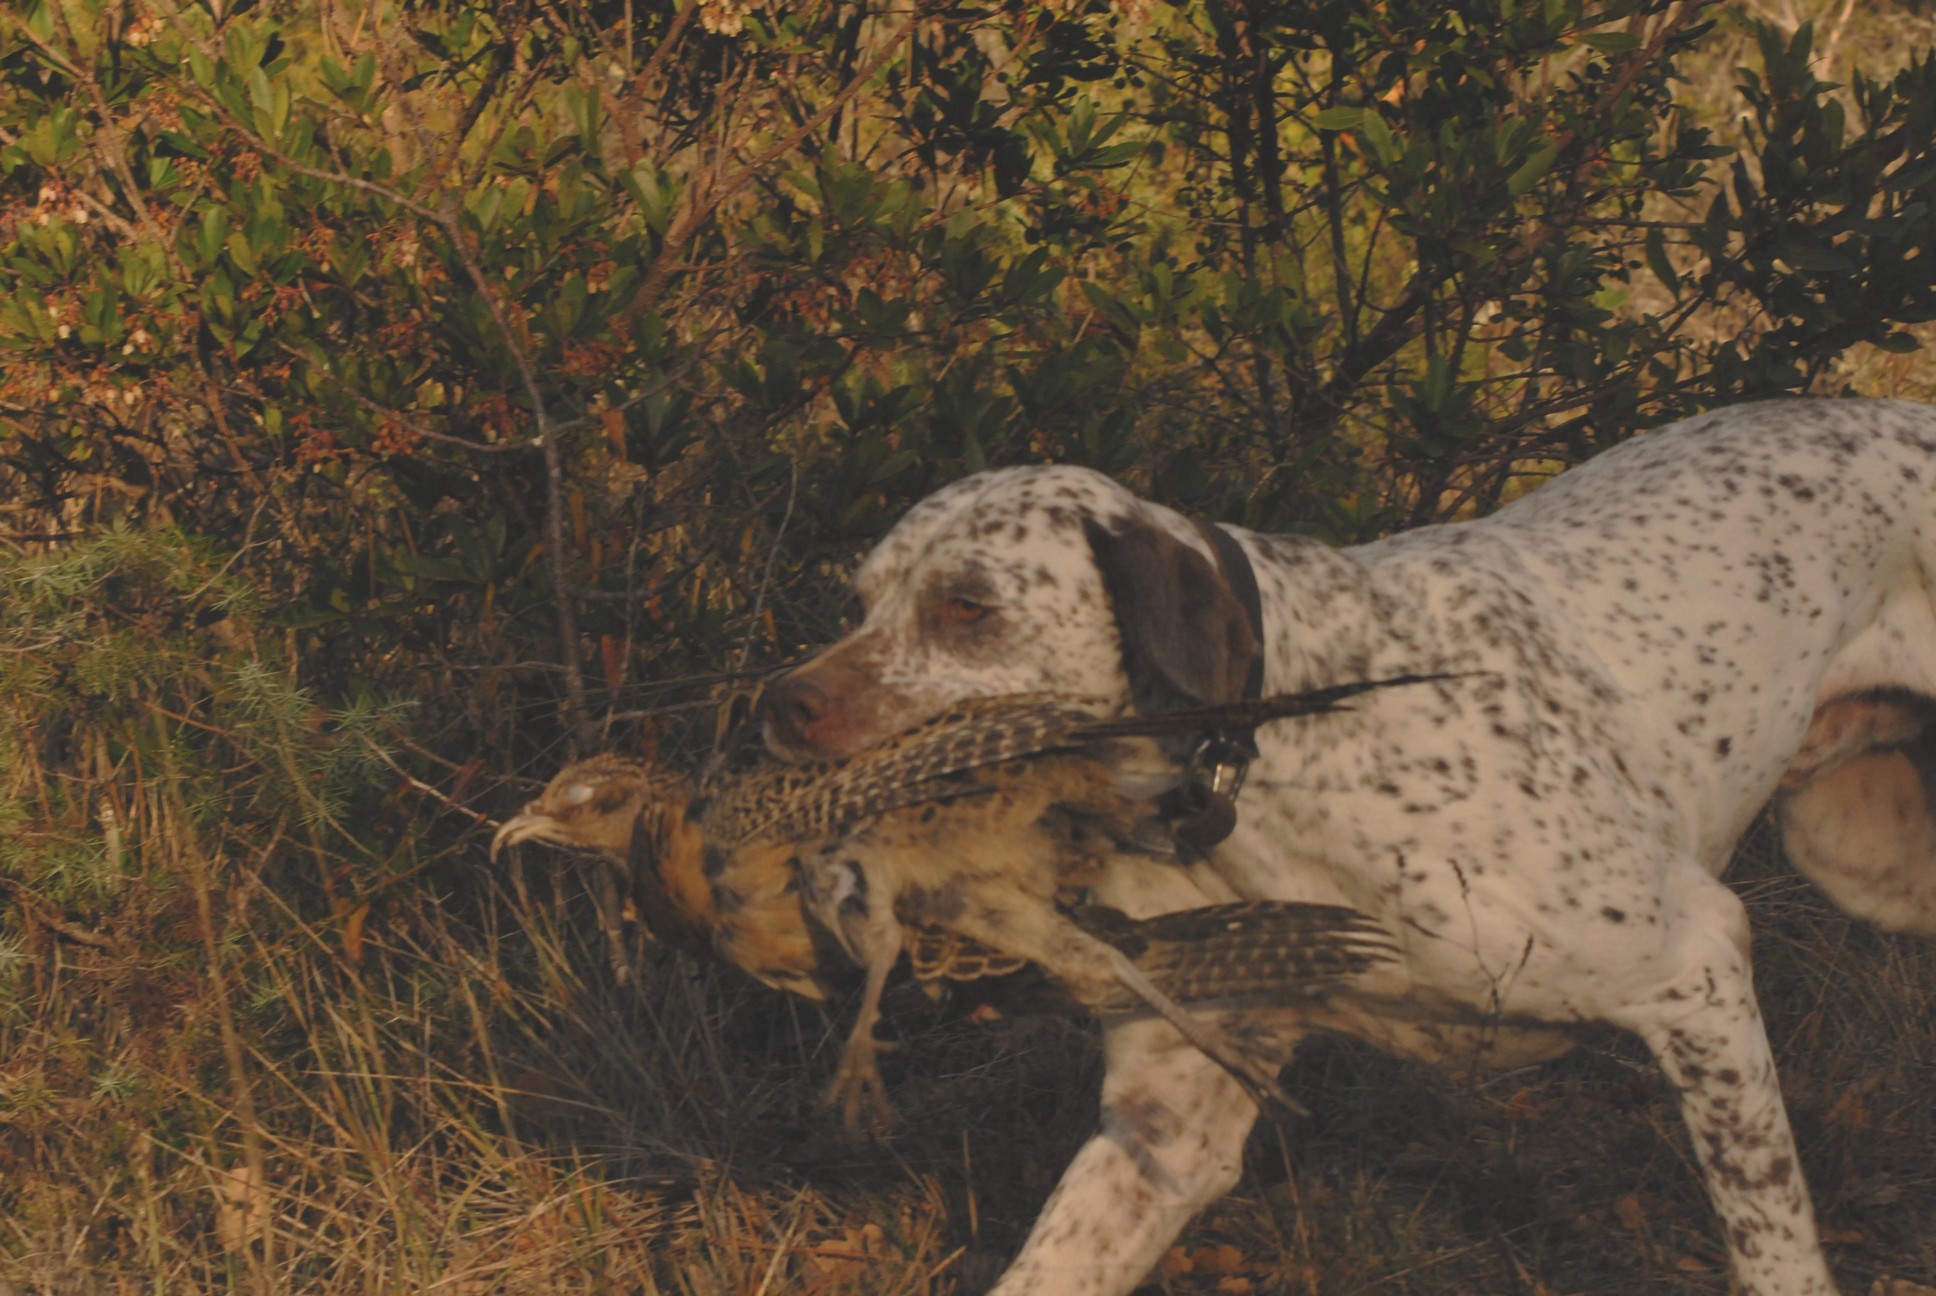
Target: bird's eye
(579, 794)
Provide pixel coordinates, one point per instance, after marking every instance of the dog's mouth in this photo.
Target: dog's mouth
(825, 714)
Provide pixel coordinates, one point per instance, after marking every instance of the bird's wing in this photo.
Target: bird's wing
(925, 764)
(937, 954)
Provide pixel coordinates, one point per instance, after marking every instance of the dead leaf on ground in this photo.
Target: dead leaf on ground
(241, 1207)
(1631, 1214)
(1224, 1259)
(1850, 1112)
(1524, 1105)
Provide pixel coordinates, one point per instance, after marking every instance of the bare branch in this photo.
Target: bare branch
(698, 209)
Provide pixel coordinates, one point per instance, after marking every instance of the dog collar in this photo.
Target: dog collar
(1203, 811)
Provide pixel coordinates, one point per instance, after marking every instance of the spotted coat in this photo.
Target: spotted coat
(1737, 608)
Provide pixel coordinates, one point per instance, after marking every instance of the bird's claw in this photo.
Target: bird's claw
(856, 1088)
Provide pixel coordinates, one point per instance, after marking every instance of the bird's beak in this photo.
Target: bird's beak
(522, 827)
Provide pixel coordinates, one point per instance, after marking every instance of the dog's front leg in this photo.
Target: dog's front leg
(1171, 1142)
(1705, 1029)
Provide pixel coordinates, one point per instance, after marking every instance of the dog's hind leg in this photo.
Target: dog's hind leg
(1704, 1027)
(1865, 832)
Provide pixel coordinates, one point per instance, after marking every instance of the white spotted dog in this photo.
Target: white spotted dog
(1736, 608)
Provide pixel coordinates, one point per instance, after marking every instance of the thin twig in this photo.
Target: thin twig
(481, 820)
(416, 429)
(41, 913)
(766, 577)
(189, 850)
(576, 723)
(641, 84)
(687, 223)
(447, 216)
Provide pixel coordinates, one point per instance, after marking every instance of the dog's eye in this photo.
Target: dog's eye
(959, 610)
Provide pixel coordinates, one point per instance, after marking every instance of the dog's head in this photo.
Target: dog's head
(1019, 580)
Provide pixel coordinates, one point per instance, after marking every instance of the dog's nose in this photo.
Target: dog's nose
(793, 708)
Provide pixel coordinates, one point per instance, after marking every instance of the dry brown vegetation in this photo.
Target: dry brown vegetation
(465, 1100)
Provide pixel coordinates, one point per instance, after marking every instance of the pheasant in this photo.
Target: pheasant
(966, 842)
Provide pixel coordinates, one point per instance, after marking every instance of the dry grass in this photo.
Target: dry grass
(467, 1101)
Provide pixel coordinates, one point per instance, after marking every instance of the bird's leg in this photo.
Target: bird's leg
(850, 898)
(857, 1081)
(611, 917)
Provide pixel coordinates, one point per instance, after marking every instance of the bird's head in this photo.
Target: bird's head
(592, 803)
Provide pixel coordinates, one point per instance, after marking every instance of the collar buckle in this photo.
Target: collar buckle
(1203, 809)
(1218, 766)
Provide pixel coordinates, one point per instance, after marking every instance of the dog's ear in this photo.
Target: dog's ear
(1186, 640)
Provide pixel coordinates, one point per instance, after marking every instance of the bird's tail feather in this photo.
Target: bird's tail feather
(1246, 714)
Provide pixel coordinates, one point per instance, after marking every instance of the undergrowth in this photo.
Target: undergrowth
(272, 1022)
